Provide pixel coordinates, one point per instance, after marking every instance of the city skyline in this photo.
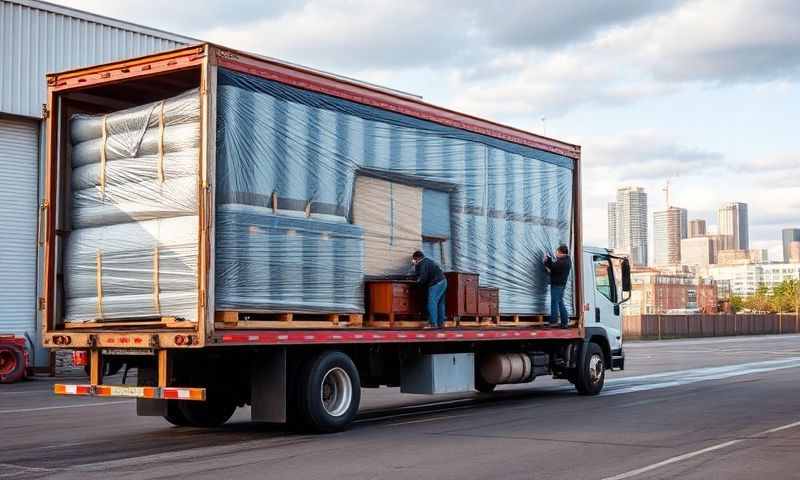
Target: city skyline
(671, 227)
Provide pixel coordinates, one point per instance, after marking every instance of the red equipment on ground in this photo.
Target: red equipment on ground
(14, 359)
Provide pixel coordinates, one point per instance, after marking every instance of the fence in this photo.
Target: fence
(687, 326)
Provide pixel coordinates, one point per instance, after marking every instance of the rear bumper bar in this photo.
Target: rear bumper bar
(130, 391)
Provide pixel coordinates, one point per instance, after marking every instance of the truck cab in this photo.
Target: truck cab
(607, 285)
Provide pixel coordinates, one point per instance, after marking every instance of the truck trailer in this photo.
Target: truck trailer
(239, 229)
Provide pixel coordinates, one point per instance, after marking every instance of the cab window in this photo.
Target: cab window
(604, 278)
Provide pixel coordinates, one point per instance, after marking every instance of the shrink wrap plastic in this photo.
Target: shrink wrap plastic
(315, 192)
(133, 245)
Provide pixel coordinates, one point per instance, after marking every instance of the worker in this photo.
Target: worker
(559, 273)
(430, 276)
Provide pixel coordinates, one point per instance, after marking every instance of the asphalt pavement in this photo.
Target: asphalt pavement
(691, 409)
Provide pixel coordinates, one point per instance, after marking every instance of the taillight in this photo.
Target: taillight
(62, 339)
(182, 340)
(80, 358)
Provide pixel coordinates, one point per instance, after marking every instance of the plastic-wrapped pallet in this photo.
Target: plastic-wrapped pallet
(132, 249)
(299, 154)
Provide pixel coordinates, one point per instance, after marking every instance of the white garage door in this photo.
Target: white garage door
(18, 221)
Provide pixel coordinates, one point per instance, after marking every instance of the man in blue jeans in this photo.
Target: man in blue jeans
(559, 273)
(430, 276)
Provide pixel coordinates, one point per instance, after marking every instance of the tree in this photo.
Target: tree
(760, 301)
(737, 303)
(786, 296)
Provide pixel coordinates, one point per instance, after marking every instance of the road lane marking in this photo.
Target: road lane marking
(58, 407)
(424, 420)
(686, 456)
(21, 470)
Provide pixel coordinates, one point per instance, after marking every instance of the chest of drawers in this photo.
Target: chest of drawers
(462, 294)
(489, 302)
(389, 299)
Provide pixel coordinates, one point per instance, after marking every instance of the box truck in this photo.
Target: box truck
(239, 230)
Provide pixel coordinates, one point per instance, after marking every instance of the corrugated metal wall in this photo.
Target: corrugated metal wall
(38, 38)
(19, 140)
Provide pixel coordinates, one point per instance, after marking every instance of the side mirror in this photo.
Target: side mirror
(626, 275)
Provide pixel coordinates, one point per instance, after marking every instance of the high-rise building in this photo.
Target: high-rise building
(733, 221)
(697, 251)
(631, 224)
(759, 255)
(612, 225)
(789, 235)
(697, 228)
(794, 251)
(669, 228)
(720, 243)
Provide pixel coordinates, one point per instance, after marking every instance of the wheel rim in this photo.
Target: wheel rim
(596, 368)
(8, 362)
(336, 392)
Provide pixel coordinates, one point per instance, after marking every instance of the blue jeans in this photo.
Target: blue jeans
(436, 303)
(557, 306)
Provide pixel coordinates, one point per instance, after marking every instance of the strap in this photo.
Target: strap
(98, 276)
(161, 143)
(103, 156)
(156, 287)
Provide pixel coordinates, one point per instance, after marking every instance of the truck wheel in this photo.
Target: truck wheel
(329, 392)
(482, 386)
(12, 364)
(215, 411)
(591, 374)
(174, 415)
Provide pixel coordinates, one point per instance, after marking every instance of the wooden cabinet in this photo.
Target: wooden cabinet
(462, 294)
(489, 302)
(388, 299)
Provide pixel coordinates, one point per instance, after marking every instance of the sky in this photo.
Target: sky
(701, 93)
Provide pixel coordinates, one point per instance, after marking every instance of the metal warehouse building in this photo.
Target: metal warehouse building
(37, 38)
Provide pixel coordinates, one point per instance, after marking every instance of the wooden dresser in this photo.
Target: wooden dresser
(489, 303)
(462, 295)
(394, 301)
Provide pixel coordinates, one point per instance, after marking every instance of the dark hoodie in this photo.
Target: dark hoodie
(559, 270)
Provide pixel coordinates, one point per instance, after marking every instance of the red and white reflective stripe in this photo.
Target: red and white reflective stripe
(164, 393)
(284, 337)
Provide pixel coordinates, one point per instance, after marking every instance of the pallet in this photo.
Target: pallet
(477, 320)
(395, 320)
(519, 320)
(238, 319)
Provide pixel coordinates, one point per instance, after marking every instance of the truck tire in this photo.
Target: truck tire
(12, 364)
(481, 385)
(329, 392)
(215, 411)
(591, 371)
(174, 415)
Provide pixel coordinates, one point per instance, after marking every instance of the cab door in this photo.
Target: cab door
(607, 312)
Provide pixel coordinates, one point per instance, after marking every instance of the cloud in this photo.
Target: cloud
(646, 155)
(664, 52)
(738, 40)
(360, 34)
(773, 172)
(539, 23)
